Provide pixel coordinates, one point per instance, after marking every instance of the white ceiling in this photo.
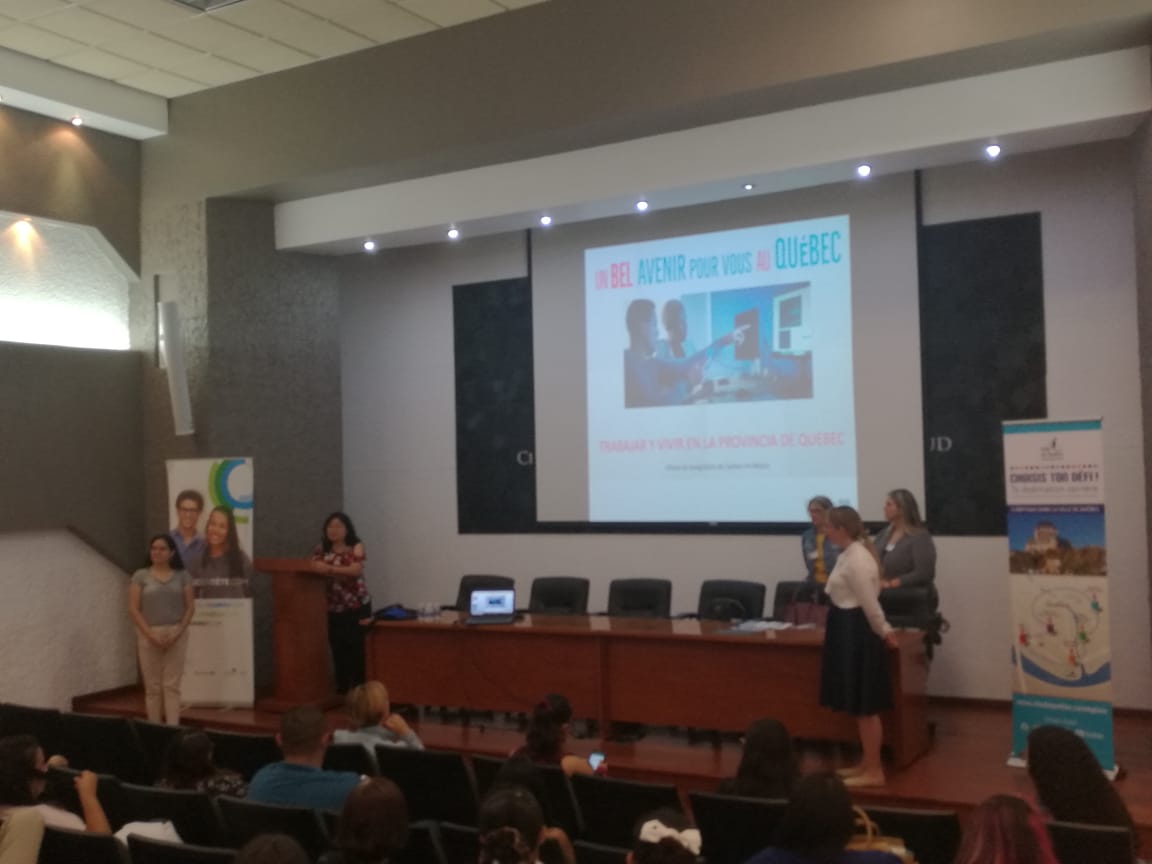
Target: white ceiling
(161, 47)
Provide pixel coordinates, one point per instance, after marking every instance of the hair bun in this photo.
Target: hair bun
(503, 846)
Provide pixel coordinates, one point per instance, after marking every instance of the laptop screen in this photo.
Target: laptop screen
(493, 602)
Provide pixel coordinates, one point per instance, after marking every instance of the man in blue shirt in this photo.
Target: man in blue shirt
(300, 781)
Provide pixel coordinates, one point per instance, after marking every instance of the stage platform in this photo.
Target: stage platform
(965, 765)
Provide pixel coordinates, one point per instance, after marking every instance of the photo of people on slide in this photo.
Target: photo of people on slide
(756, 346)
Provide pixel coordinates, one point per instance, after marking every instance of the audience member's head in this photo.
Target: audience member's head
(510, 821)
(768, 764)
(1005, 830)
(368, 704)
(272, 849)
(520, 771)
(1069, 781)
(374, 823)
(188, 759)
(303, 734)
(665, 836)
(22, 770)
(548, 728)
(818, 819)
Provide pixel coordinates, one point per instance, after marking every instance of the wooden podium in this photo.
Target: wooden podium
(300, 635)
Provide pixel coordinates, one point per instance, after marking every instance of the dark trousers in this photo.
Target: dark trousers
(346, 639)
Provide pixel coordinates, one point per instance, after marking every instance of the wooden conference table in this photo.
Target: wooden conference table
(676, 673)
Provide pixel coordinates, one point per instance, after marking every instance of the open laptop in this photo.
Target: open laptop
(492, 607)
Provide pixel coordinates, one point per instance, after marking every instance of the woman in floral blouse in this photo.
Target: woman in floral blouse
(340, 556)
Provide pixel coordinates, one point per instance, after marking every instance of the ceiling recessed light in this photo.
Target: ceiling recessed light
(545, 220)
(369, 245)
(992, 151)
(641, 205)
(864, 170)
(748, 187)
(77, 120)
(453, 233)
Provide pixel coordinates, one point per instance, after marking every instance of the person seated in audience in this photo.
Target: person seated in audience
(20, 833)
(665, 837)
(373, 721)
(548, 733)
(1069, 782)
(373, 827)
(768, 766)
(300, 780)
(1005, 828)
(23, 773)
(511, 827)
(816, 825)
(272, 849)
(188, 764)
(522, 772)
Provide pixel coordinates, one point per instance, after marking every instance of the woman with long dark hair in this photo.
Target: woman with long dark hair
(1005, 829)
(548, 733)
(188, 764)
(223, 568)
(23, 776)
(340, 557)
(161, 603)
(373, 825)
(768, 764)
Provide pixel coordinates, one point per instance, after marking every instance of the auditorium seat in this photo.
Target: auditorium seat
(438, 785)
(734, 828)
(351, 757)
(485, 769)
(27, 720)
(62, 846)
(933, 836)
(725, 599)
(596, 853)
(1074, 843)
(562, 807)
(460, 842)
(559, 595)
(154, 739)
(141, 850)
(640, 598)
(243, 753)
(610, 807)
(480, 582)
(105, 745)
(423, 846)
(244, 820)
(60, 788)
(193, 813)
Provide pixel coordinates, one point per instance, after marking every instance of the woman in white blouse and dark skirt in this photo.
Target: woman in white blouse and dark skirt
(854, 669)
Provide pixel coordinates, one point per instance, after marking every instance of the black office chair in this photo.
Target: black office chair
(62, 846)
(788, 592)
(424, 846)
(559, 595)
(611, 807)
(351, 757)
(1074, 843)
(192, 813)
(105, 745)
(437, 785)
(725, 599)
(27, 720)
(933, 836)
(910, 606)
(596, 853)
(480, 582)
(640, 598)
(154, 740)
(733, 829)
(244, 820)
(144, 851)
(243, 753)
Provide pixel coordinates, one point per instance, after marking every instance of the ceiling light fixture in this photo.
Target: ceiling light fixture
(992, 151)
(748, 187)
(77, 120)
(545, 220)
(641, 205)
(453, 233)
(369, 245)
(864, 170)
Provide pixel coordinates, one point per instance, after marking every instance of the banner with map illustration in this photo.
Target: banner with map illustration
(1058, 582)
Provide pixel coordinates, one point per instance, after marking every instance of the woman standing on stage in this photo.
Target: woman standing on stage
(907, 553)
(160, 602)
(819, 552)
(340, 556)
(854, 667)
(223, 569)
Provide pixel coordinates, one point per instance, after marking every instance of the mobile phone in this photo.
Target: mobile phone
(595, 759)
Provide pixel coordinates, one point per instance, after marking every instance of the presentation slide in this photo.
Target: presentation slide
(720, 375)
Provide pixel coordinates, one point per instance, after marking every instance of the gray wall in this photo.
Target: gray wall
(70, 445)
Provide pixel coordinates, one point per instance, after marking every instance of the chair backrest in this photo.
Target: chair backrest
(60, 788)
(784, 595)
(724, 599)
(733, 829)
(479, 582)
(244, 820)
(27, 720)
(485, 769)
(910, 607)
(1074, 843)
(62, 846)
(460, 842)
(424, 846)
(611, 807)
(640, 598)
(559, 595)
(437, 785)
(562, 807)
(933, 836)
(154, 739)
(596, 853)
(351, 757)
(243, 753)
(145, 851)
(105, 745)
(193, 813)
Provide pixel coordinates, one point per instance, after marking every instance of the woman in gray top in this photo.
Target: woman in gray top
(223, 569)
(907, 563)
(160, 601)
